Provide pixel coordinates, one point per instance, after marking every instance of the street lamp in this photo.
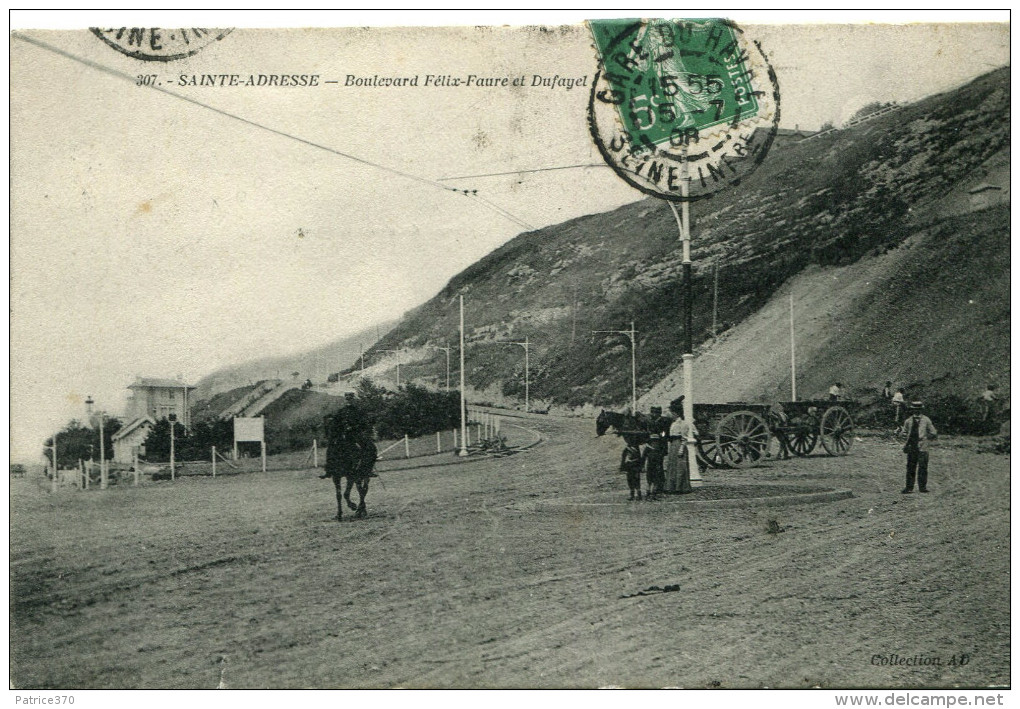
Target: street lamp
(172, 418)
(447, 350)
(631, 333)
(527, 366)
(103, 475)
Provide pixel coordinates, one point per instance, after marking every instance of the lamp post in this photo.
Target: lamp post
(53, 482)
(172, 418)
(103, 476)
(526, 345)
(447, 350)
(463, 402)
(631, 333)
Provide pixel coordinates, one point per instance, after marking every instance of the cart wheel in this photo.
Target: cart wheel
(837, 431)
(742, 438)
(803, 434)
(708, 453)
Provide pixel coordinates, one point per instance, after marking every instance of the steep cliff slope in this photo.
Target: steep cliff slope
(894, 191)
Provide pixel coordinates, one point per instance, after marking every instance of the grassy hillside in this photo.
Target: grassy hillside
(823, 204)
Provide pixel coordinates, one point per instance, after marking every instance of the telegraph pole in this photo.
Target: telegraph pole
(53, 483)
(684, 225)
(447, 350)
(632, 334)
(527, 367)
(793, 355)
(103, 476)
(398, 366)
(173, 473)
(463, 402)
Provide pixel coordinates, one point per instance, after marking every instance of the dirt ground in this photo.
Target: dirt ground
(466, 576)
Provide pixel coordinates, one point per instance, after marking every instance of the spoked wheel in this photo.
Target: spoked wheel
(742, 438)
(803, 434)
(708, 453)
(837, 431)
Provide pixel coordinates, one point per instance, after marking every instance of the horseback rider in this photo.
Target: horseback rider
(350, 453)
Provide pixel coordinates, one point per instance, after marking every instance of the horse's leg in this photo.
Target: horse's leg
(347, 493)
(363, 493)
(339, 499)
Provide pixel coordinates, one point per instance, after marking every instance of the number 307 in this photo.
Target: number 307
(146, 80)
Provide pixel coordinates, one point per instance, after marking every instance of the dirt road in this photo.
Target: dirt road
(463, 575)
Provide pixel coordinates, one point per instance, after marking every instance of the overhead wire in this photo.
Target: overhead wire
(506, 214)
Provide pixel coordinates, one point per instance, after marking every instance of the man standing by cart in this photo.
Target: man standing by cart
(919, 430)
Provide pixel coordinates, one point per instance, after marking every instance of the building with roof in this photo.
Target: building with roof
(130, 439)
(158, 398)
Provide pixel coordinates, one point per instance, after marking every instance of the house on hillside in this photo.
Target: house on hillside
(130, 439)
(158, 398)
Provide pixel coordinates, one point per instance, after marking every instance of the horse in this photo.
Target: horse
(350, 454)
(633, 429)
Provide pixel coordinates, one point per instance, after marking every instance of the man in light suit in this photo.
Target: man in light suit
(918, 429)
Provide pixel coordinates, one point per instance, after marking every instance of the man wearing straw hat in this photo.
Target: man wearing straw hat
(919, 430)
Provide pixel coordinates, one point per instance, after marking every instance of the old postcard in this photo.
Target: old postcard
(524, 354)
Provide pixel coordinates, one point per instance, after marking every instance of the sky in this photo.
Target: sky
(152, 236)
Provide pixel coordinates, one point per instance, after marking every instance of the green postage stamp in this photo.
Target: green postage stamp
(678, 101)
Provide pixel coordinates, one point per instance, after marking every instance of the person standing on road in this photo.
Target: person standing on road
(678, 471)
(777, 421)
(988, 401)
(630, 463)
(918, 429)
(898, 403)
(652, 459)
(887, 391)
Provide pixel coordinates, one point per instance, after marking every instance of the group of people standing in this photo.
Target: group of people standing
(663, 457)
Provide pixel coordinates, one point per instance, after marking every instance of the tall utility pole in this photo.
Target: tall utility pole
(793, 355)
(398, 366)
(632, 334)
(173, 472)
(53, 483)
(447, 350)
(103, 476)
(573, 312)
(684, 224)
(463, 403)
(527, 367)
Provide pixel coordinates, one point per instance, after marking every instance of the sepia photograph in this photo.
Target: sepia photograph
(511, 350)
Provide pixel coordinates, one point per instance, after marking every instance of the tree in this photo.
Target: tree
(76, 441)
(157, 443)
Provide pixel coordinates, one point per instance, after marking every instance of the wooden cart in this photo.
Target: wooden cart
(734, 435)
(809, 422)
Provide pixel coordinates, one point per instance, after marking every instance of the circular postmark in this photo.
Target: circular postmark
(156, 44)
(681, 108)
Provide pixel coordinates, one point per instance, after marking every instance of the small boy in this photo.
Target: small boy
(630, 463)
